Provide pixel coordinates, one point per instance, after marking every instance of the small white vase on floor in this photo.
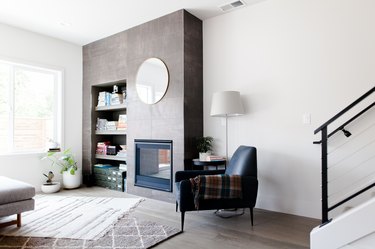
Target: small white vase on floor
(72, 181)
(51, 188)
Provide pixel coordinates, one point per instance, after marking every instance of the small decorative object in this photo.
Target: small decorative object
(123, 90)
(50, 186)
(72, 176)
(115, 89)
(52, 145)
(204, 146)
(50, 176)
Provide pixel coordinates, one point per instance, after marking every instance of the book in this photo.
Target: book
(116, 99)
(111, 150)
(54, 150)
(122, 122)
(213, 158)
(111, 126)
(99, 165)
(104, 99)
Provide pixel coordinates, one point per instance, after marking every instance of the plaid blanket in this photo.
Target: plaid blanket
(216, 187)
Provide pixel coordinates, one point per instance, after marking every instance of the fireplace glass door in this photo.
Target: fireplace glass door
(154, 164)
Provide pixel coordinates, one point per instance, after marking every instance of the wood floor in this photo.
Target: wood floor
(205, 230)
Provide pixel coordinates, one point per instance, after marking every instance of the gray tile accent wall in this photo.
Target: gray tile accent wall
(177, 40)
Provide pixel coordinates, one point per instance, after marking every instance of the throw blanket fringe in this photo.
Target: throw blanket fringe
(216, 187)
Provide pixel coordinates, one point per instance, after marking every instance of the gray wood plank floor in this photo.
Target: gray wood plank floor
(205, 230)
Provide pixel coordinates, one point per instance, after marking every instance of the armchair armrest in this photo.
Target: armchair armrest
(249, 188)
(185, 175)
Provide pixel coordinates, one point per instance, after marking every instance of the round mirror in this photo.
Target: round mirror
(152, 80)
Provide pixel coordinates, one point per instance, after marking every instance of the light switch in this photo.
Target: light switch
(306, 118)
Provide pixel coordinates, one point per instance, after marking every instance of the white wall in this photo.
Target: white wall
(287, 58)
(28, 47)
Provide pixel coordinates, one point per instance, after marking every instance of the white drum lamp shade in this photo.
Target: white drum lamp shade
(227, 103)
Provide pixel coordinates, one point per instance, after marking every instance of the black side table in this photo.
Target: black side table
(196, 163)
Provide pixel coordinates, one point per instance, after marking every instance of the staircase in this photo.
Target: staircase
(353, 229)
(348, 176)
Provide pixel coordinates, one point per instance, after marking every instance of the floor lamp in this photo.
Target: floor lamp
(226, 104)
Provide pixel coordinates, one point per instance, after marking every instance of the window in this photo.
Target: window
(30, 107)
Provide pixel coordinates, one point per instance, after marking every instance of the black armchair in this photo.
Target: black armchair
(243, 163)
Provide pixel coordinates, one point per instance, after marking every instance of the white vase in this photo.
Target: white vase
(203, 156)
(72, 181)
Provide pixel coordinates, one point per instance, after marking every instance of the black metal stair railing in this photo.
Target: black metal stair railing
(324, 151)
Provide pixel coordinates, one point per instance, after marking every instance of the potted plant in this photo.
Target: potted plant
(71, 174)
(50, 186)
(204, 146)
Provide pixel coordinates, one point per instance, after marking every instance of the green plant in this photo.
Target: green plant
(63, 159)
(204, 144)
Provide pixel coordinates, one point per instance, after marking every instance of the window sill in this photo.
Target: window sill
(25, 153)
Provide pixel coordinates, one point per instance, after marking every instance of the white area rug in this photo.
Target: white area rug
(72, 217)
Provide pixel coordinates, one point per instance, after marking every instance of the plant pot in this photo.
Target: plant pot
(72, 181)
(50, 188)
(203, 156)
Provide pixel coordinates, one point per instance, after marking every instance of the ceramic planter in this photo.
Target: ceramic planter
(50, 188)
(72, 181)
(203, 156)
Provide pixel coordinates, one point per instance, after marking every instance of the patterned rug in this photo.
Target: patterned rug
(128, 232)
(72, 217)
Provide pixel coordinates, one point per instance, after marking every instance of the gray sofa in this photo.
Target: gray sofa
(16, 197)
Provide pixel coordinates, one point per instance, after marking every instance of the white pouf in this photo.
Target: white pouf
(51, 188)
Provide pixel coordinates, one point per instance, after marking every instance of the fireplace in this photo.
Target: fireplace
(153, 164)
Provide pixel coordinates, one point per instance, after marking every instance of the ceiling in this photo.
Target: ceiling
(84, 21)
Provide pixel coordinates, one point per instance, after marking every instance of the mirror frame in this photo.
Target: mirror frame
(166, 72)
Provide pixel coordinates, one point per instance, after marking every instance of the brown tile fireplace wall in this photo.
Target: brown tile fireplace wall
(177, 40)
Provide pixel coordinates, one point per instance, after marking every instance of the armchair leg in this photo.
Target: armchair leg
(252, 216)
(182, 221)
(176, 206)
(18, 220)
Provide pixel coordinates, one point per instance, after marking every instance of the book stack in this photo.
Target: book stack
(111, 150)
(104, 99)
(122, 122)
(54, 150)
(101, 124)
(116, 99)
(215, 158)
(103, 166)
(109, 176)
(123, 167)
(111, 125)
(101, 148)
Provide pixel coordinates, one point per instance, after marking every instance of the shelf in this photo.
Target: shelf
(121, 132)
(108, 157)
(111, 107)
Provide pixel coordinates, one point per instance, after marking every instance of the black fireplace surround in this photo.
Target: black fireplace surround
(154, 164)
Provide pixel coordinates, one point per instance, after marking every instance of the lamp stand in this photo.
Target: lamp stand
(226, 137)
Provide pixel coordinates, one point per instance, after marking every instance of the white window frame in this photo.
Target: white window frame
(58, 135)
